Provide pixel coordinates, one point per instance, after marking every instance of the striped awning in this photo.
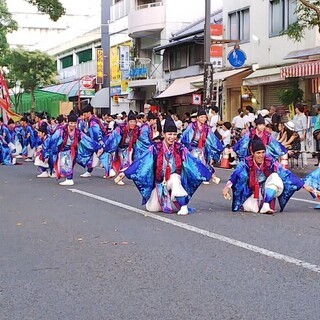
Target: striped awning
(71, 89)
(302, 69)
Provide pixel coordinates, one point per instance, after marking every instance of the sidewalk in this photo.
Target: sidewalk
(301, 172)
(298, 170)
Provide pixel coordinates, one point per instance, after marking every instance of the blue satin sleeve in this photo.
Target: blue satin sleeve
(275, 149)
(313, 179)
(291, 184)
(6, 134)
(193, 173)
(95, 132)
(143, 142)
(213, 148)
(241, 148)
(113, 140)
(142, 172)
(85, 150)
(240, 189)
(186, 136)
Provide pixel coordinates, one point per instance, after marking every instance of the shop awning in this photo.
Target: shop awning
(302, 69)
(218, 76)
(70, 89)
(263, 76)
(101, 99)
(180, 87)
(136, 95)
(303, 54)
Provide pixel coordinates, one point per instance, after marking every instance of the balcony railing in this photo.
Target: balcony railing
(137, 71)
(119, 10)
(76, 72)
(149, 5)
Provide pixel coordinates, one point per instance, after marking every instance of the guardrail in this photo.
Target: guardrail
(150, 5)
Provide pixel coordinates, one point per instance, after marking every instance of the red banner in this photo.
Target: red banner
(5, 101)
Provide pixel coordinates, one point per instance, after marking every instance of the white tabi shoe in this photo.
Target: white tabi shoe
(118, 181)
(206, 182)
(266, 209)
(44, 174)
(53, 175)
(112, 173)
(14, 161)
(67, 182)
(183, 211)
(28, 160)
(19, 156)
(85, 175)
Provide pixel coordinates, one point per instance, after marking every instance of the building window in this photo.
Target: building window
(85, 55)
(282, 14)
(239, 25)
(196, 54)
(66, 62)
(178, 58)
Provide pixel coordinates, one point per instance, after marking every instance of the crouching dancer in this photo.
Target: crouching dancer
(258, 180)
(167, 174)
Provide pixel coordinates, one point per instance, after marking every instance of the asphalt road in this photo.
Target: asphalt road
(74, 255)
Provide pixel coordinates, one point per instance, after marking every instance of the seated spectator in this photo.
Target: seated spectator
(226, 133)
(292, 142)
(269, 128)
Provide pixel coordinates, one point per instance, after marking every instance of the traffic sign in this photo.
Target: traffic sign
(237, 58)
(87, 82)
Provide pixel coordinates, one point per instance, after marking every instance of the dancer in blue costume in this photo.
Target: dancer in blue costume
(121, 143)
(313, 180)
(258, 180)
(63, 145)
(29, 140)
(167, 175)
(43, 155)
(145, 138)
(6, 143)
(97, 133)
(202, 142)
(273, 147)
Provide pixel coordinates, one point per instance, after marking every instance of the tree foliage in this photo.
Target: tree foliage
(291, 95)
(53, 8)
(308, 17)
(29, 70)
(7, 25)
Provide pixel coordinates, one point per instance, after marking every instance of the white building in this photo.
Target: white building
(34, 27)
(257, 25)
(138, 24)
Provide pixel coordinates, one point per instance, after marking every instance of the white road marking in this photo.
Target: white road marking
(206, 233)
(303, 200)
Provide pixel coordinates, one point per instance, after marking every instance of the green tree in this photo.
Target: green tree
(29, 70)
(53, 8)
(292, 95)
(7, 25)
(308, 17)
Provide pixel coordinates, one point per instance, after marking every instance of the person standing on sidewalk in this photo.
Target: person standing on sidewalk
(300, 123)
(316, 135)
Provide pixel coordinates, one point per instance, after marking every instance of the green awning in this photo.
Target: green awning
(44, 102)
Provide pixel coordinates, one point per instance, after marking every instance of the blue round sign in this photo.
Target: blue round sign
(237, 58)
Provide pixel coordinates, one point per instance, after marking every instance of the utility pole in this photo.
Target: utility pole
(105, 44)
(208, 69)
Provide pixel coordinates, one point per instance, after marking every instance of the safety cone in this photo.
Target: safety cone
(225, 159)
(284, 160)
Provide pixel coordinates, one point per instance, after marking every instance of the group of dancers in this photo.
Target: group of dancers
(166, 168)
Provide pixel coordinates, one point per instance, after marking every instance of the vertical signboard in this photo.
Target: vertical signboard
(208, 84)
(216, 52)
(99, 66)
(124, 58)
